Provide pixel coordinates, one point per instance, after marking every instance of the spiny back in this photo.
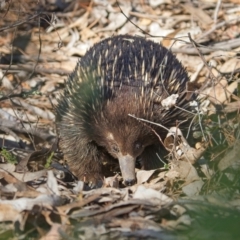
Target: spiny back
(127, 64)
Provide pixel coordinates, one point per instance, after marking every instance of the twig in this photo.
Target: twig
(144, 120)
(221, 46)
(217, 11)
(19, 23)
(201, 56)
(38, 69)
(215, 27)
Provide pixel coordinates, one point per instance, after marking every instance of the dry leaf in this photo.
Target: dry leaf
(148, 194)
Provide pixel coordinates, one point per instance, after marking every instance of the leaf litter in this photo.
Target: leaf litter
(194, 196)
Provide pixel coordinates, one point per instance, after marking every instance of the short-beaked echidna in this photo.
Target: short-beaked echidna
(118, 76)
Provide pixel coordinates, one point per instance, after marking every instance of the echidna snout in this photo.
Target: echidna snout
(127, 166)
(125, 158)
(118, 76)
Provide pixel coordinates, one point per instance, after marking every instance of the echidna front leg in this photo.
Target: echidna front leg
(85, 163)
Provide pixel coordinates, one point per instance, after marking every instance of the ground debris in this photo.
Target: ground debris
(194, 196)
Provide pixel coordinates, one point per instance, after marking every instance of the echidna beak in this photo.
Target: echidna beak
(127, 166)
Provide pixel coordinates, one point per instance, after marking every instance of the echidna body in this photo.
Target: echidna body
(118, 76)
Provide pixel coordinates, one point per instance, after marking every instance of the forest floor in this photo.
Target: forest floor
(195, 198)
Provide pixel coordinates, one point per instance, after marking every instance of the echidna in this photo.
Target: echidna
(118, 76)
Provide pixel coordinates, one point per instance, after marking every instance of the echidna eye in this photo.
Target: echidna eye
(138, 145)
(115, 148)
